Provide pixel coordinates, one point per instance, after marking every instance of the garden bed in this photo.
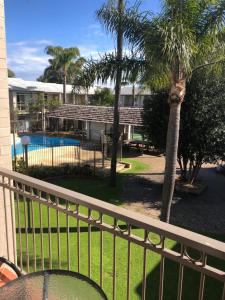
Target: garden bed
(187, 188)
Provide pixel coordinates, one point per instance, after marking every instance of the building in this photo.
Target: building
(133, 96)
(95, 121)
(23, 94)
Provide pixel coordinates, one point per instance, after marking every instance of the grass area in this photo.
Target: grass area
(137, 137)
(136, 166)
(90, 238)
(99, 188)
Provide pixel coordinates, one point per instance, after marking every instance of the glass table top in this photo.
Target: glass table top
(52, 285)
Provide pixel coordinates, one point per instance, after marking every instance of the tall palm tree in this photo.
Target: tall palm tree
(185, 36)
(118, 81)
(63, 59)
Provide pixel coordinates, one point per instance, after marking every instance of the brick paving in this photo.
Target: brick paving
(204, 213)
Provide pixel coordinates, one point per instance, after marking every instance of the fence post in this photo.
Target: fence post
(28, 215)
(79, 154)
(94, 160)
(52, 156)
(103, 156)
(26, 155)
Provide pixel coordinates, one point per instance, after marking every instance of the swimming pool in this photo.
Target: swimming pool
(44, 141)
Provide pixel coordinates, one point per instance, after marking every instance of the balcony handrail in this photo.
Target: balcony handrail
(207, 245)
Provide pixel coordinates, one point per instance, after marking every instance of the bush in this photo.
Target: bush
(44, 172)
(202, 126)
(19, 165)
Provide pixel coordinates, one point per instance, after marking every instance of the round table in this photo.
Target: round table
(52, 285)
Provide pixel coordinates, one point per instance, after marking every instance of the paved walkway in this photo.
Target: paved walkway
(204, 213)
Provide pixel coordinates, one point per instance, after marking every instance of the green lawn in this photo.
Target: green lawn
(136, 166)
(99, 188)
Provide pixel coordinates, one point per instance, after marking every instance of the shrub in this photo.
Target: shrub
(44, 172)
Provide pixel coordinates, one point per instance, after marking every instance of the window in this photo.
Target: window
(21, 105)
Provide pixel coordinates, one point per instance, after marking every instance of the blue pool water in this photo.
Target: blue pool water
(43, 141)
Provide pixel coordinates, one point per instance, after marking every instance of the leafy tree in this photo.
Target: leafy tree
(51, 75)
(185, 36)
(11, 74)
(40, 107)
(65, 63)
(103, 97)
(202, 131)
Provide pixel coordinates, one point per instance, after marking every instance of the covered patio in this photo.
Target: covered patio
(94, 121)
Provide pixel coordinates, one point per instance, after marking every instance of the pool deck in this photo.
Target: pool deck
(74, 155)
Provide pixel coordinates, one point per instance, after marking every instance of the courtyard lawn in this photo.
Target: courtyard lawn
(136, 166)
(69, 245)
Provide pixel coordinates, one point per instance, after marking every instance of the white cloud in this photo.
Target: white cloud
(92, 51)
(94, 30)
(27, 58)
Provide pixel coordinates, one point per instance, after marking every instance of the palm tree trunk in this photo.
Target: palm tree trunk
(133, 94)
(116, 133)
(175, 99)
(64, 86)
(171, 160)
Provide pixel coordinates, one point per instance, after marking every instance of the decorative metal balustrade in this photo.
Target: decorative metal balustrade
(131, 256)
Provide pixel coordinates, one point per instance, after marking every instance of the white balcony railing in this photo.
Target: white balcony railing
(131, 256)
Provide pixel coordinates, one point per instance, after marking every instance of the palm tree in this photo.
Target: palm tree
(111, 67)
(63, 60)
(185, 36)
(118, 80)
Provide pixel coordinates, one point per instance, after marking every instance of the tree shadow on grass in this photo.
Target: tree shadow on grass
(191, 281)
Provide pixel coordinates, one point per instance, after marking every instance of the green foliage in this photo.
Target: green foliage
(19, 165)
(155, 118)
(11, 74)
(184, 36)
(41, 103)
(65, 61)
(202, 132)
(44, 172)
(103, 97)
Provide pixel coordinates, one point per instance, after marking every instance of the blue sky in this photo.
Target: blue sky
(31, 25)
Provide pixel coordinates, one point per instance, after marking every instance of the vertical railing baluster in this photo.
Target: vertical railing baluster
(41, 233)
(89, 244)
(49, 235)
(58, 233)
(68, 236)
(114, 260)
(144, 267)
(128, 263)
(33, 231)
(78, 241)
(181, 276)
(101, 253)
(19, 226)
(162, 271)
(12, 219)
(202, 278)
(223, 296)
(6, 222)
(26, 229)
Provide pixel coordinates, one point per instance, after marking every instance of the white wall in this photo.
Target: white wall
(6, 249)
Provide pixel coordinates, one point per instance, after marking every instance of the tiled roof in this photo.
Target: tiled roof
(102, 114)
